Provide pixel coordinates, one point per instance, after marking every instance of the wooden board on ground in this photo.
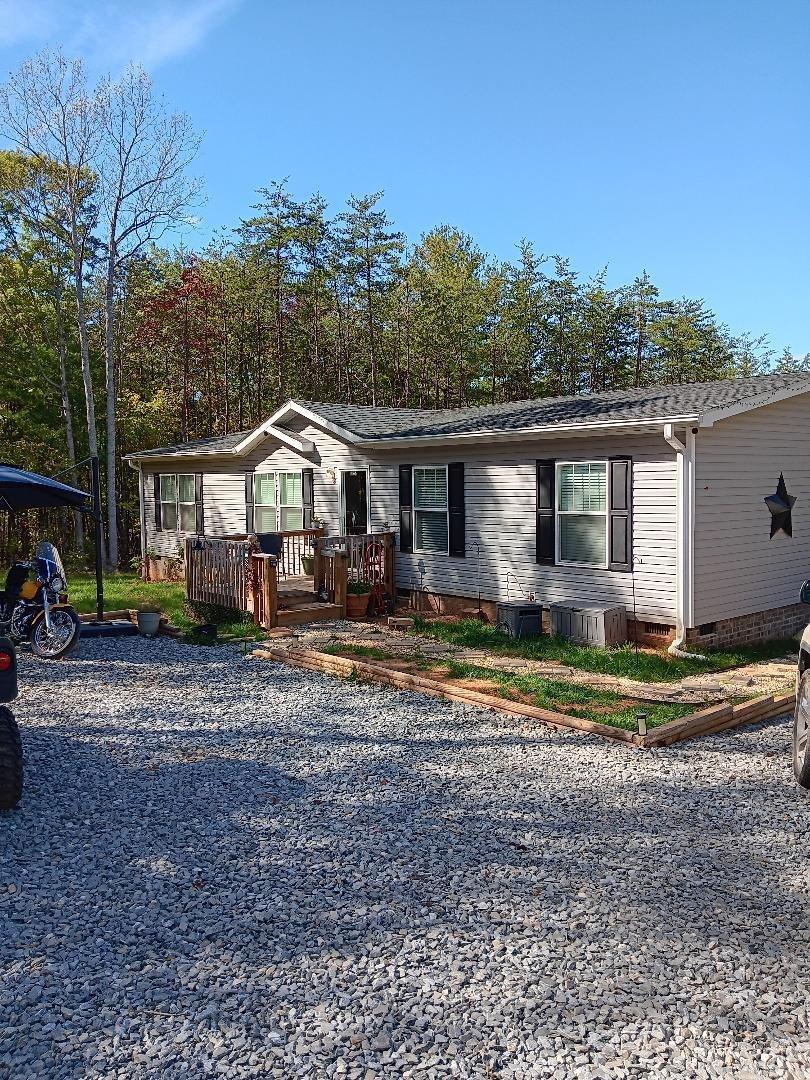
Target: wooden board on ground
(704, 722)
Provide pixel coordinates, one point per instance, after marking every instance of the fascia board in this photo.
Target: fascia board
(711, 416)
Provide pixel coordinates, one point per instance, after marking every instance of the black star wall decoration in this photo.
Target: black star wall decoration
(781, 507)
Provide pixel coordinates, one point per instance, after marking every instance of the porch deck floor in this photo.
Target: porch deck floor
(296, 583)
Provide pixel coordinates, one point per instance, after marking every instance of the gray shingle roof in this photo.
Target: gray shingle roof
(647, 403)
(666, 402)
(197, 446)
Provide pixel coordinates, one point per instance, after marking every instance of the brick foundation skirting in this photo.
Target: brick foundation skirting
(782, 622)
(162, 568)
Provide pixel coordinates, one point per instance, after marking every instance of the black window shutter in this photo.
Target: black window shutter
(546, 547)
(455, 506)
(198, 503)
(406, 508)
(249, 502)
(308, 496)
(158, 512)
(621, 514)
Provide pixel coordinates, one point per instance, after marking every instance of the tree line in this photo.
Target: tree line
(100, 317)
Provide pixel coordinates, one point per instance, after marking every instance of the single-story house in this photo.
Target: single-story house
(652, 498)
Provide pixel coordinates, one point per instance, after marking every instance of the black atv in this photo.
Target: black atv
(11, 762)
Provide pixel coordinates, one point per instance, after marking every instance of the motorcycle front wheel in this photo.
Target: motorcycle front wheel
(59, 640)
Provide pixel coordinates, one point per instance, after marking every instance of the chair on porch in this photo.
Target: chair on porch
(273, 544)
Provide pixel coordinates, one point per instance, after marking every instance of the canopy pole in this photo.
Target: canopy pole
(96, 494)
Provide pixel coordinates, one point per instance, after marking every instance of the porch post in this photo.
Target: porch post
(341, 580)
(317, 565)
(389, 565)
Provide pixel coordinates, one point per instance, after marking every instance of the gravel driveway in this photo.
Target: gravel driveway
(225, 867)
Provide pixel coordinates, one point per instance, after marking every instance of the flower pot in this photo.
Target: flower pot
(148, 623)
(357, 605)
(308, 564)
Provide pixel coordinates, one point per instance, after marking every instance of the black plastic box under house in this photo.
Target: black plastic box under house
(520, 619)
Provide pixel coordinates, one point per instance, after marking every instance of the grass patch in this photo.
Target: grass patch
(370, 652)
(126, 590)
(622, 661)
(585, 702)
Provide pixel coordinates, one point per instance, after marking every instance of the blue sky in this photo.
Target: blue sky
(671, 136)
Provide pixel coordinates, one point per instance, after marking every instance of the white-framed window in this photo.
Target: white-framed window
(582, 513)
(187, 502)
(290, 501)
(430, 511)
(168, 502)
(178, 502)
(278, 502)
(265, 507)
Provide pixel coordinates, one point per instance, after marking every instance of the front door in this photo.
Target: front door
(354, 498)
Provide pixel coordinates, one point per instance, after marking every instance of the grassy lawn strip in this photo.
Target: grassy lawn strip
(124, 590)
(646, 667)
(586, 702)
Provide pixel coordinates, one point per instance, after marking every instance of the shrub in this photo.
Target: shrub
(199, 612)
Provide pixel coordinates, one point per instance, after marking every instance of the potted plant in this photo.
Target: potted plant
(357, 596)
(149, 619)
(308, 564)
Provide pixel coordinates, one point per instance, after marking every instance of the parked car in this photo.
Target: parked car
(801, 719)
(11, 763)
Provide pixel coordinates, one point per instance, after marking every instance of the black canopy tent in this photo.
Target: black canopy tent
(21, 490)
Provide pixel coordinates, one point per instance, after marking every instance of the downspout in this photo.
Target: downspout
(685, 502)
(138, 467)
(142, 522)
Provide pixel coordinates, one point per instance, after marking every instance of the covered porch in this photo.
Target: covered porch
(301, 576)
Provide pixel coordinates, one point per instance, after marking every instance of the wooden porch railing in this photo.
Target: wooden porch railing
(297, 545)
(232, 573)
(361, 553)
(217, 571)
(264, 587)
(331, 577)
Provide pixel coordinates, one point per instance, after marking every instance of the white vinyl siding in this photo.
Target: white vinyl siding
(500, 510)
(431, 526)
(739, 569)
(582, 513)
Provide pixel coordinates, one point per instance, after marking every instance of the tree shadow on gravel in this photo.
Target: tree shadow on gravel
(288, 839)
(324, 834)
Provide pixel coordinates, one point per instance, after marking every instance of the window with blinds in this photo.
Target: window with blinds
(264, 501)
(187, 502)
(582, 513)
(278, 502)
(431, 532)
(290, 501)
(168, 501)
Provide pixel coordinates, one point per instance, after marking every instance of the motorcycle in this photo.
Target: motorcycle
(36, 609)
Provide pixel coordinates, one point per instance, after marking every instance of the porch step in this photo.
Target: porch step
(307, 613)
(296, 599)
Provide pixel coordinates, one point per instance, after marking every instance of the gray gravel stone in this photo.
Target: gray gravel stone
(233, 868)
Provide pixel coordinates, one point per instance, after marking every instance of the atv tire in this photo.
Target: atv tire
(11, 761)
